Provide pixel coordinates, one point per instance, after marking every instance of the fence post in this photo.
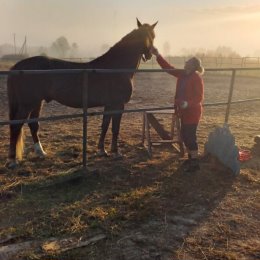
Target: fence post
(230, 94)
(85, 119)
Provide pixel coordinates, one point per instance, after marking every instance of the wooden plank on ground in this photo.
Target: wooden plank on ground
(158, 127)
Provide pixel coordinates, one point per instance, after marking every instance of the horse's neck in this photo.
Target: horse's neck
(129, 59)
(119, 57)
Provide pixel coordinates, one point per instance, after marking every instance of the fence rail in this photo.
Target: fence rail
(207, 61)
(125, 111)
(217, 62)
(85, 114)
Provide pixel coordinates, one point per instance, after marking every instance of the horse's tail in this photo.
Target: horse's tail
(13, 109)
(20, 145)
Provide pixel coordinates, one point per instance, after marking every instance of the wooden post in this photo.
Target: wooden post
(179, 138)
(85, 119)
(230, 94)
(148, 137)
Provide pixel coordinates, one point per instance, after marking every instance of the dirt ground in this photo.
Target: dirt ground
(138, 207)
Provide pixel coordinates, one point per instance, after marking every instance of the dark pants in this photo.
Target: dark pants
(189, 136)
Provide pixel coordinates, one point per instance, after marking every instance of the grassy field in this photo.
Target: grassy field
(137, 207)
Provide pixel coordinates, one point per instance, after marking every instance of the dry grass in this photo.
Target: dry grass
(148, 208)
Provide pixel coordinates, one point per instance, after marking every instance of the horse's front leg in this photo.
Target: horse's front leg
(104, 128)
(116, 120)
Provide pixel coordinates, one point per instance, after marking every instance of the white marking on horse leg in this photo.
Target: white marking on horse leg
(102, 152)
(39, 150)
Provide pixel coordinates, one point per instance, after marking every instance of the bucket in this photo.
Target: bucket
(244, 155)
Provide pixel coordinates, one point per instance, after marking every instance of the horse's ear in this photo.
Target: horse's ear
(138, 23)
(154, 25)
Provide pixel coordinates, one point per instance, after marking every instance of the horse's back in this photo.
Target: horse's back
(104, 88)
(46, 63)
(33, 63)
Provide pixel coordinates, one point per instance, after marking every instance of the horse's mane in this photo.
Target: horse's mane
(127, 38)
(130, 37)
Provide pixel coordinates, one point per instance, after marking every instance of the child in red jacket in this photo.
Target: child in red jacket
(188, 102)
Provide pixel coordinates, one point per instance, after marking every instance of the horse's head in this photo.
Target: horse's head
(147, 38)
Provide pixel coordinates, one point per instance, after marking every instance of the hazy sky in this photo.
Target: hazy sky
(92, 23)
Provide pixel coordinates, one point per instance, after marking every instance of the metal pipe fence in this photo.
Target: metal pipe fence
(85, 73)
(216, 62)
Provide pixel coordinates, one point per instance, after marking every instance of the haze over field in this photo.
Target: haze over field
(97, 24)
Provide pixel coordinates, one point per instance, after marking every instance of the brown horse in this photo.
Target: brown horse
(26, 92)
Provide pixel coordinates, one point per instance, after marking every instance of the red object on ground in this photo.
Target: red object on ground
(244, 155)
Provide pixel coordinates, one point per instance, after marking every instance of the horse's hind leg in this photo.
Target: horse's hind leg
(34, 128)
(16, 139)
(16, 133)
(116, 120)
(104, 128)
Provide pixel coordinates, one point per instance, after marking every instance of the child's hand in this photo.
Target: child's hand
(182, 104)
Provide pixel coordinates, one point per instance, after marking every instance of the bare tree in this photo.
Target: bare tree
(60, 47)
(74, 50)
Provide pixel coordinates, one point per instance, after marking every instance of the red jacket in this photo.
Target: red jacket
(189, 88)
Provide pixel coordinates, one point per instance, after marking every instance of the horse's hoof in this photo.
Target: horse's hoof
(116, 156)
(102, 153)
(11, 164)
(41, 154)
